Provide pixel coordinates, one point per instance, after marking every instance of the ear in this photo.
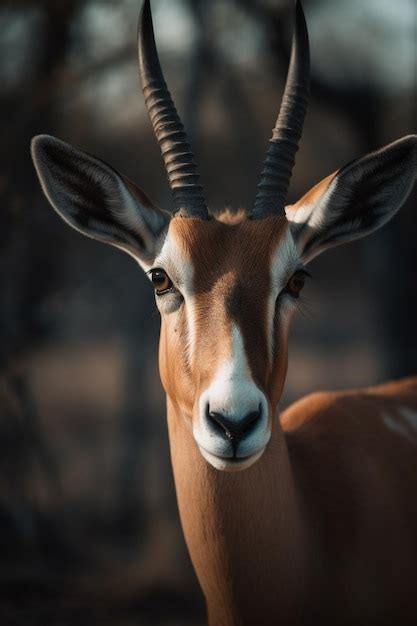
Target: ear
(356, 200)
(98, 201)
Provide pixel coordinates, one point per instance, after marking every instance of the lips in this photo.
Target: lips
(231, 464)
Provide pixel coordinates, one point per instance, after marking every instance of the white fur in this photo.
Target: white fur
(224, 465)
(314, 216)
(175, 263)
(301, 215)
(233, 393)
(181, 272)
(285, 260)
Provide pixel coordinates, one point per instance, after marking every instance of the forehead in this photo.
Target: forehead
(213, 249)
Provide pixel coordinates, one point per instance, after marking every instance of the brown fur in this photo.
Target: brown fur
(231, 284)
(322, 529)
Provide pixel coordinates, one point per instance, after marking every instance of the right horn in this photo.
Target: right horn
(280, 157)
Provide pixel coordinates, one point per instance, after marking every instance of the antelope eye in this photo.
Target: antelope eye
(161, 281)
(296, 283)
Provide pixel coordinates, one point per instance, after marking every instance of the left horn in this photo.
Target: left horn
(280, 157)
(176, 153)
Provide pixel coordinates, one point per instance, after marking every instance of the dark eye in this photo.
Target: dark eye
(161, 281)
(296, 283)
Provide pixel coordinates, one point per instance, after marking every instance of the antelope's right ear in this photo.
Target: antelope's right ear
(98, 201)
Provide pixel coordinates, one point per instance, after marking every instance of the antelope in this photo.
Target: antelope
(308, 516)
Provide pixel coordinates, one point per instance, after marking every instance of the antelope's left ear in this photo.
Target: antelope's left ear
(356, 200)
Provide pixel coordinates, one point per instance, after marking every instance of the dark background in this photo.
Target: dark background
(89, 532)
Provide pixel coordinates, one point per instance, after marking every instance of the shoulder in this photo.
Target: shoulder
(398, 391)
(352, 411)
(344, 407)
(310, 407)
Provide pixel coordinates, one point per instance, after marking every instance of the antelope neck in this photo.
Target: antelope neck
(243, 530)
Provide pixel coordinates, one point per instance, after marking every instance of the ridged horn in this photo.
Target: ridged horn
(280, 156)
(176, 153)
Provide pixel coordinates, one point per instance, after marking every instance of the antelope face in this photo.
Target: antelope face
(226, 293)
(225, 287)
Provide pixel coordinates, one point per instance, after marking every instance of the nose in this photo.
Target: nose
(231, 426)
(234, 429)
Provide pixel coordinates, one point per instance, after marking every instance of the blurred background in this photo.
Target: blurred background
(89, 532)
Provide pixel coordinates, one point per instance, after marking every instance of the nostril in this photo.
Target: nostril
(250, 420)
(221, 424)
(232, 428)
(217, 424)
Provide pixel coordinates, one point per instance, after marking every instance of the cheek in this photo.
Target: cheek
(280, 353)
(173, 364)
(278, 376)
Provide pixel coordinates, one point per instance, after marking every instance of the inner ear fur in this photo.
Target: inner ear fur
(356, 200)
(96, 200)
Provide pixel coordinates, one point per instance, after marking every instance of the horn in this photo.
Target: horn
(178, 159)
(280, 156)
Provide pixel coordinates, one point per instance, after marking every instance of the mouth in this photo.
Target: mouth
(231, 464)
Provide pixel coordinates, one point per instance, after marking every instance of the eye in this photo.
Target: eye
(296, 283)
(161, 281)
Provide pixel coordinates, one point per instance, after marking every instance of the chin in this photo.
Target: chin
(231, 464)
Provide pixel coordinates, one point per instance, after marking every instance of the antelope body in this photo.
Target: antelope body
(308, 517)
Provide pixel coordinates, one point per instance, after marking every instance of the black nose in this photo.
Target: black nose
(233, 428)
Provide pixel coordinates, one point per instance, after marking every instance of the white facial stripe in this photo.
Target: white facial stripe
(286, 258)
(234, 374)
(180, 270)
(176, 264)
(232, 393)
(230, 390)
(191, 328)
(286, 312)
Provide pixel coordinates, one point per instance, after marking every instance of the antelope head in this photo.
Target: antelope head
(226, 285)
